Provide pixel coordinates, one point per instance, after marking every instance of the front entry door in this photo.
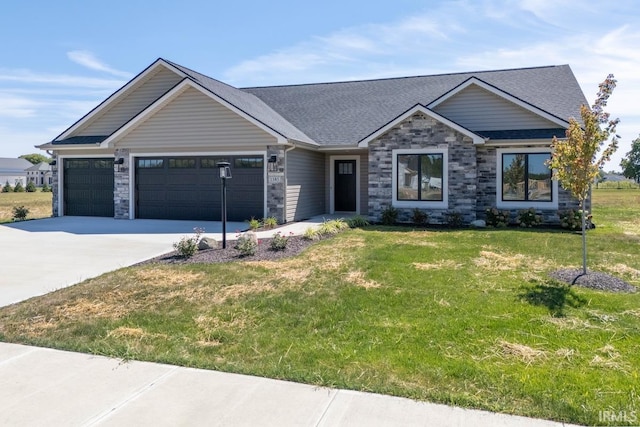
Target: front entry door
(345, 185)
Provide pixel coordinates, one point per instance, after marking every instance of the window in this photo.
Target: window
(345, 168)
(248, 162)
(182, 163)
(150, 163)
(523, 180)
(526, 177)
(420, 178)
(211, 163)
(103, 164)
(76, 164)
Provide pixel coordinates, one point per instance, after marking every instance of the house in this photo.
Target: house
(460, 142)
(39, 174)
(13, 171)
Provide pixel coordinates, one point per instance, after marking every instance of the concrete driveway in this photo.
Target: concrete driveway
(43, 255)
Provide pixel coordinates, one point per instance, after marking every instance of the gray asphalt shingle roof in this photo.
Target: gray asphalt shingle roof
(346, 112)
(14, 165)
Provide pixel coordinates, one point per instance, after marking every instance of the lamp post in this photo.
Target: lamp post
(225, 172)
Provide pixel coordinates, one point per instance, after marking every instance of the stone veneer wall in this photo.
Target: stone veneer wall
(276, 185)
(420, 131)
(121, 185)
(54, 185)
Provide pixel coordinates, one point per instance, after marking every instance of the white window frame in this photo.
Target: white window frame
(427, 204)
(518, 204)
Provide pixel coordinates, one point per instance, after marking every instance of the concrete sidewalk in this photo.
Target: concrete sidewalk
(56, 388)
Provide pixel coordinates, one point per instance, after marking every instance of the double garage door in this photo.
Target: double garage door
(169, 187)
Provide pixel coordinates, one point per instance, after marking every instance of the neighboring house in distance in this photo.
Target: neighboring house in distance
(40, 174)
(13, 171)
(459, 142)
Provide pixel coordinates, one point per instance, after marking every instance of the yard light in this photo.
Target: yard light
(225, 173)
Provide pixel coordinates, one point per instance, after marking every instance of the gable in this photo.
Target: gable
(128, 104)
(195, 120)
(479, 109)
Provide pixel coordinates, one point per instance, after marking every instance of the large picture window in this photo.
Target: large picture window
(420, 177)
(526, 177)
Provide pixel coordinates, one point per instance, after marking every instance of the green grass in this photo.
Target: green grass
(38, 203)
(465, 317)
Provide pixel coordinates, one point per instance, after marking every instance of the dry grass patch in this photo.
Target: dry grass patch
(609, 358)
(625, 270)
(133, 333)
(158, 276)
(494, 261)
(357, 278)
(522, 352)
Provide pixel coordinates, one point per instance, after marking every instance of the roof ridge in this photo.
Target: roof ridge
(404, 77)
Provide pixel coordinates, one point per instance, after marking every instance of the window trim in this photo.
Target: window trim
(424, 204)
(523, 204)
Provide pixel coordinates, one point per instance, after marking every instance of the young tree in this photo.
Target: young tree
(631, 163)
(574, 159)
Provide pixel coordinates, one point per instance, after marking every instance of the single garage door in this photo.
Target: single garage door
(190, 188)
(88, 187)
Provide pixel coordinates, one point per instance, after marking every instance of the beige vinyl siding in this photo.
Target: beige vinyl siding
(478, 109)
(193, 119)
(305, 184)
(133, 102)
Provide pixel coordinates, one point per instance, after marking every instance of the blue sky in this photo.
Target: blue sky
(60, 59)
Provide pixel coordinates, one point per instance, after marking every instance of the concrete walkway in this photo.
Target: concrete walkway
(55, 388)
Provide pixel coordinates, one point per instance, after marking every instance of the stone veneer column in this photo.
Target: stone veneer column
(417, 132)
(54, 185)
(121, 185)
(276, 184)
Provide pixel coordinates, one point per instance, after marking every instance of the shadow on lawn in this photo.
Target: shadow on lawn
(556, 297)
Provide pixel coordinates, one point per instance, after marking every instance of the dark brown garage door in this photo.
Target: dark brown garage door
(190, 188)
(88, 187)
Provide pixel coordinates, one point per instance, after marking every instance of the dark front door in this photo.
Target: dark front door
(345, 185)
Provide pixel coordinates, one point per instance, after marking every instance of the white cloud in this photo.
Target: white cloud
(16, 107)
(30, 77)
(87, 59)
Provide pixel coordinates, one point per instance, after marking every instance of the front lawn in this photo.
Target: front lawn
(464, 317)
(38, 203)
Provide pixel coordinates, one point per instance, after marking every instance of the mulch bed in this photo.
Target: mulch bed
(295, 245)
(592, 280)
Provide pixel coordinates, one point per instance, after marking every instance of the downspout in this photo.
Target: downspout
(286, 172)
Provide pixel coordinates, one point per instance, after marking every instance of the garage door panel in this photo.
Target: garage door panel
(191, 189)
(88, 187)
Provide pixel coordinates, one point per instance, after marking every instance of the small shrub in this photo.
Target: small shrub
(389, 215)
(254, 224)
(497, 218)
(247, 244)
(311, 234)
(19, 188)
(20, 213)
(419, 217)
(46, 188)
(188, 246)
(279, 242)
(333, 226)
(7, 188)
(528, 218)
(357, 221)
(270, 222)
(572, 219)
(31, 187)
(454, 219)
